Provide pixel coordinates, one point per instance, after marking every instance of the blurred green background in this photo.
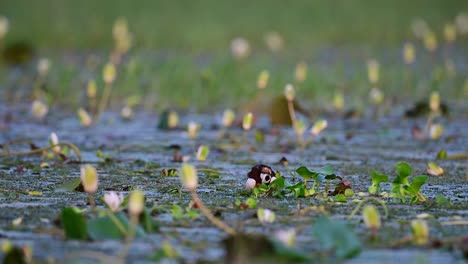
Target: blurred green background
(180, 54)
(209, 25)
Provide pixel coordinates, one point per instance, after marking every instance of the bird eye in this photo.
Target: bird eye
(267, 178)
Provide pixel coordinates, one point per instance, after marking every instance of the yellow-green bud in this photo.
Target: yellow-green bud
(89, 178)
(189, 177)
(247, 122)
(136, 202)
(420, 231)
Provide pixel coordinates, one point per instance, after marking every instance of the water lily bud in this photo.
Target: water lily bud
(461, 22)
(91, 89)
(287, 237)
(434, 169)
(274, 41)
(6, 246)
(338, 101)
(301, 72)
(373, 67)
(409, 53)
(53, 140)
(289, 92)
(189, 177)
(247, 121)
(318, 127)
(371, 217)
(419, 28)
(450, 32)
(126, 113)
(240, 48)
(89, 178)
(173, 120)
(420, 231)
(434, 101)
(84, 117)
(4, 26)
(109, 73)
(39, 109)
(113, 200)
(228, 117)
(136, 202)
(202, 152)
(120, 28)
(262, 80)
(436, 131)
(123, 44)
(430, 41)
(192, 129)
(265, 216)
(43, 66)
(376, 96)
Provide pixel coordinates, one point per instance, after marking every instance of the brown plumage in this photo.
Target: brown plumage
(257, 171)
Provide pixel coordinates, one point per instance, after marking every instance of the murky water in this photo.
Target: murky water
(140, 153)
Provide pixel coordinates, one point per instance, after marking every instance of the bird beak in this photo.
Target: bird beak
(272, 179)
(250, 184)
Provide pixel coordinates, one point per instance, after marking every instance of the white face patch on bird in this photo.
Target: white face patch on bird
(260, 174)
(266, 178)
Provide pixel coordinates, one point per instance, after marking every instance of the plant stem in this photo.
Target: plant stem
(117, 222)
(292, 115)
(457, 156)
(358, 206)
(104, 100)
(215, 221)
(40, 150)
(430, 118)
(92, 202)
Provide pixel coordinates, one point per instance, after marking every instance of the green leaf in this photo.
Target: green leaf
(103, 228)
(68, 186)
(305, 173)
(74, 223)
(403, 170)
(441, 155)
(341, 198)
(378, 178)
(278, 183)
(336, 235)
(251, 202)
(442, 200)
(148, 223)
(327, 170)
(417, 182)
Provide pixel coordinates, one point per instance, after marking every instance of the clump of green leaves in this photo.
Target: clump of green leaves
(183, 213)
(282, 188)
(318, 176)
(377, 178)
(405, 190)
(402, 188)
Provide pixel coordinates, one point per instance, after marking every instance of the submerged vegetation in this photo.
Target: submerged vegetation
(329, 147)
